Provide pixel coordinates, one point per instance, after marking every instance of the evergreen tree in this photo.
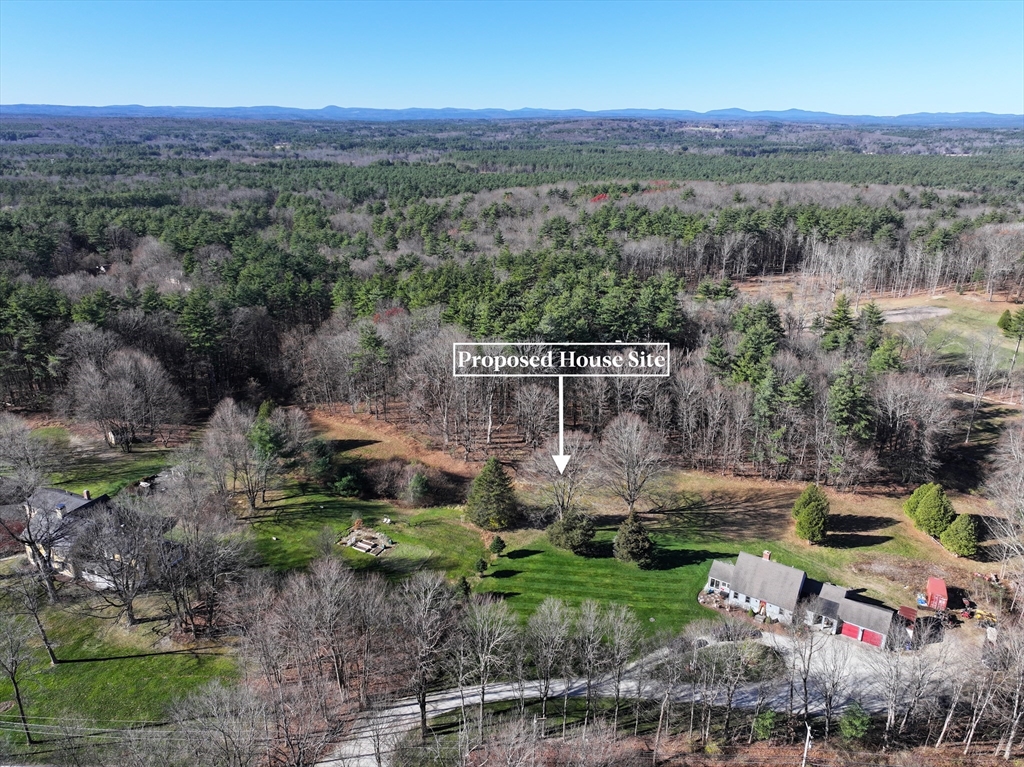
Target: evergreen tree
(1005, 321)
(754, 352)
(811, 512)
(797, 392)
(1012, 327)
(491, 503)
(633, 543)
(854, 722)
(910, 505)
(961, 537)
(935, 512)
(198, 322)
(871, 322)
(838, 326)
(886, 357)
(716, 355)
(812, 496)
(497, 545)
(849, 406)
(573, 532)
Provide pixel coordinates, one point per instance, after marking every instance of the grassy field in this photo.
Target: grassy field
(92, 465)
(108, 676)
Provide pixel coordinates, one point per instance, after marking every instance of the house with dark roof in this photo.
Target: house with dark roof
(759, 584)
(54, 519)
(774, 590)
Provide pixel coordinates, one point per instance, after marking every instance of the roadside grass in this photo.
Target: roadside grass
(105, 689)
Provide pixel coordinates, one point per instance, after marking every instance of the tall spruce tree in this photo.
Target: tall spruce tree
(491, 503)
(849, 405)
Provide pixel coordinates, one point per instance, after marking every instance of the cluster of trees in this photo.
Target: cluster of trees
(749, 392)
(932, 512)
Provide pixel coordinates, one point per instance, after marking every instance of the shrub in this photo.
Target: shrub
(491, 503)
(935, 512)
(961, 537)
(573, 532)
(854, 722)
(910, 505)
(633, 543)
(764, 723)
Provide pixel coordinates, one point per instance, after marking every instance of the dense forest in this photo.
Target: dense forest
(330, 264)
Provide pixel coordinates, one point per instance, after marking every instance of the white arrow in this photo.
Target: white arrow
(561, 460)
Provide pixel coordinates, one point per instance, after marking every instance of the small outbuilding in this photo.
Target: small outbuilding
(936, 594)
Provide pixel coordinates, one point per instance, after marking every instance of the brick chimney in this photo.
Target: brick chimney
(85, 494)
(765, 555)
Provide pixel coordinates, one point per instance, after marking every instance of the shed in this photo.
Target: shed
(936, 594)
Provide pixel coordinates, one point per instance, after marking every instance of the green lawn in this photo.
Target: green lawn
(109, 692)
(430, 538)
(111, 471)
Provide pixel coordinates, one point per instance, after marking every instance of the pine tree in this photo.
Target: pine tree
(573, 532)
(871, 322)
(633, 543)
(811, 512)
(935, 512)
(716, 355)
(811, 496)
(491, 503)
(961, 537)
(849, 406)
(839, 326)
(886, 357)
(497, 546)
(910, 505)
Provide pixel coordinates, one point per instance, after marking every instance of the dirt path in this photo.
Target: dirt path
(915, 313)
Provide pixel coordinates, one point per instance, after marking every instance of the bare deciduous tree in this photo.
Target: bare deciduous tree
(630, 457)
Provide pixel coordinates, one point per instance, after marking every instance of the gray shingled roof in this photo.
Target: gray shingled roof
(50, 499)
(866, 616)
(723, 571)
(768, 581)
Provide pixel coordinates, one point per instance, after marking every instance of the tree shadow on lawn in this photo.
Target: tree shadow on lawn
(725, 516)
(965, 465)
(345, 445)
(849, 531)
(522, 553)
(855, 540)
(672, 559)
(502, 574)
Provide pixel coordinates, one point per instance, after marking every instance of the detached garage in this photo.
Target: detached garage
(865, 623)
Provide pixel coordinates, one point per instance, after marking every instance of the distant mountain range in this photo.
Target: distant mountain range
(920, 119)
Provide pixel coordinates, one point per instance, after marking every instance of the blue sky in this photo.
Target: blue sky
(851, 58)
